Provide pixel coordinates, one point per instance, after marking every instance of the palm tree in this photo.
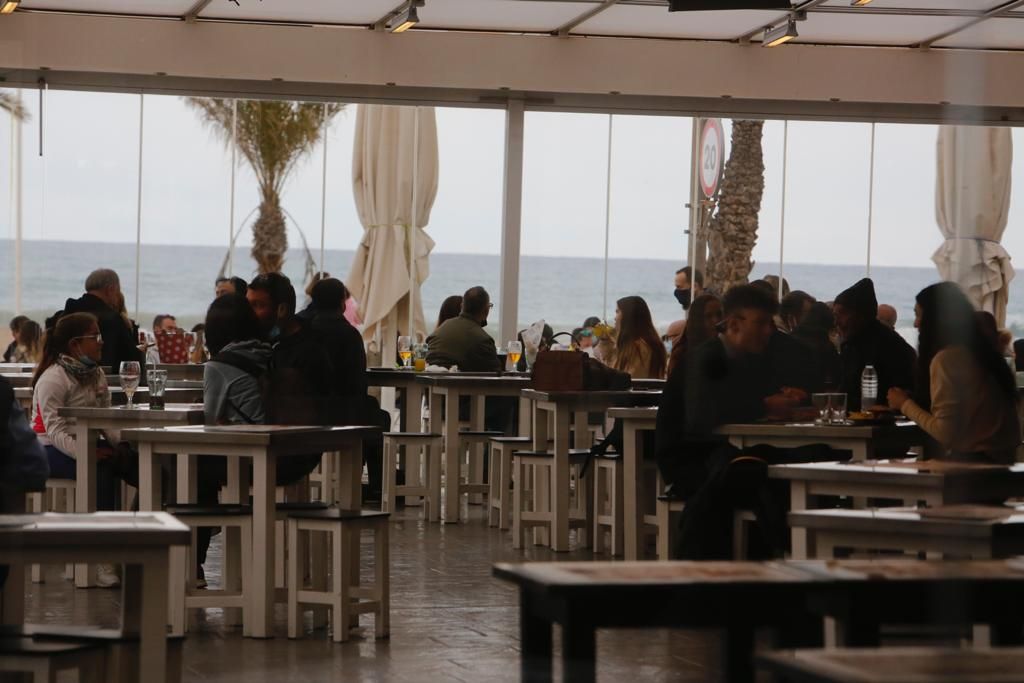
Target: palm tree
(272, 136)
(733, 229)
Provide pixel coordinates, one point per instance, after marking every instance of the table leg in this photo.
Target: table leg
(150, 478)
(579, 650)
(413, 462)
(188, 484)
(144, 611)
(541, 480)
(451, 455)
(12, 611)
(263, 523)
(632, 514)
(560, 482)
(474, 464)
(738, 653)
(798, 536)
(535, 640)
(85, 488)
(525, 417)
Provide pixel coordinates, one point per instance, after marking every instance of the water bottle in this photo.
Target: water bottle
(868, 387)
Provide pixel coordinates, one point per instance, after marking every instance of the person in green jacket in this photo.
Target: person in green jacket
(462, 341)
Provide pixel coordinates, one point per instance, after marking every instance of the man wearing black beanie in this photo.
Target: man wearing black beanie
(866, 341)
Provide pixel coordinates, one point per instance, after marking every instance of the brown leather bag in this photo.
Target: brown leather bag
(575, 371)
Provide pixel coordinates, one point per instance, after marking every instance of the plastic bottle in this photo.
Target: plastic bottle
(868, 387)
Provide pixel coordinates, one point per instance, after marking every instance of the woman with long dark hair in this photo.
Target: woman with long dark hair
(966, 397)
(450, 308)
(701, 322)
(635, 347)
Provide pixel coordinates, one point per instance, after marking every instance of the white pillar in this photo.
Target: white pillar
(138, 209)
(511, 222)
(16, 205)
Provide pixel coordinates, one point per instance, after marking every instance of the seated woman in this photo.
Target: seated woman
(29, 347)
(966, 397)
(634, 346)
(69, 375)
(701, 324)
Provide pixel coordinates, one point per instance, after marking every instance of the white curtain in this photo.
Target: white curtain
(972, 202)
(391, 154)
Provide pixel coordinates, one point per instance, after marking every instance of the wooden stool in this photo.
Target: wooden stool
(608, 510)
(282, 509)
(43, 659)
(668, 504)
(59, 496)
(237, 555)
(430, 481)
(346, 598)
(541, 516)
(473, 483)
(499, 497)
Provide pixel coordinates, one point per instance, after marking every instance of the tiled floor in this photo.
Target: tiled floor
(450, 621)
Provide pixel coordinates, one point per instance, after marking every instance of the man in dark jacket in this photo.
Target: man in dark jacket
(103, 299)
(344, 345)
(866, 341)
(462, 341)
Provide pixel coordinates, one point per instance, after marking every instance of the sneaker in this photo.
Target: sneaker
(200, 577)
(107, 576)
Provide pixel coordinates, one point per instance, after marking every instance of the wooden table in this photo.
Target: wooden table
(911, 481)
(139, 541)
(119, 398)
(741, 596)
(90, 421)
(450, 387)
(863, 440)
(18, 379)
(16, 368)
(965, 531)
(264, 444)
(634, 498)
(897, 665)
(566, 407)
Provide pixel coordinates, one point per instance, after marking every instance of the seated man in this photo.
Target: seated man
(867, 341)
(689, 284)
(462, 341)
(162, 324)
(103, 299)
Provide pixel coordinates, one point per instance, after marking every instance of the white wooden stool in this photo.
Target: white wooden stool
(237, 554)
(608, 510)
(667, 505)
(44, 659)
(499, 497)
(59, 496)
(346, 597)
(539, 464)
(430, 480)
(473, 481)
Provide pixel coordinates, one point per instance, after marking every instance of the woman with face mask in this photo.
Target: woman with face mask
(69, 375)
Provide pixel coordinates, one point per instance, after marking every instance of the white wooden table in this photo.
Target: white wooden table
(140, 541)
(634, 498)
(863, 440)
(264, 444)
(572, 407)
(118, 397)
(88, 423)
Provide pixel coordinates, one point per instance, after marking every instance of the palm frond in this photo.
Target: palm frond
(13, 106)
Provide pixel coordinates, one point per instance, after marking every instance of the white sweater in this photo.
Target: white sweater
(57, 389)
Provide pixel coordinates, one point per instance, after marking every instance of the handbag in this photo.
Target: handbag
(575, 371)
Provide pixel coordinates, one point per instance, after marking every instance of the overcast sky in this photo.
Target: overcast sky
(84, 188)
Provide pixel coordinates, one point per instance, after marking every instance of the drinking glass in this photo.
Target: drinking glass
(157, 380)
(405, 350)
(837, 408)
(823, 406)
(515, 352)
(419, 357)
(129, 372)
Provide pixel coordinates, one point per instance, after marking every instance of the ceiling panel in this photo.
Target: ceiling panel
(1006, 34)
(916, 5)
(876, 29)
(635, 20)
(147, 7)
(310, 11)
(506, 15)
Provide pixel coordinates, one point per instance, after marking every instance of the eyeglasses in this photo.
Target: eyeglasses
(97, 337)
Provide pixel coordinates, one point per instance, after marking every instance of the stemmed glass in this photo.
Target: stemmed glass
(405, 350)
(515, 351)
(129, 373)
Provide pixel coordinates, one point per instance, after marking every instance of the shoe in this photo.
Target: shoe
(107, 576)
(200, 577)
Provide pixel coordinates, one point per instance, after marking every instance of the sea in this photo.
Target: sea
(563, 290)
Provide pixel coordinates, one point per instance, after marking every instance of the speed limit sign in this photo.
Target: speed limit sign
(712, 148)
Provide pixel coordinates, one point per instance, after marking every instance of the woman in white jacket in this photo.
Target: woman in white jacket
(69, 375)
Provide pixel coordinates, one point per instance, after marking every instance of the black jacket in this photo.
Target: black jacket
(119, 341)
(881, 346)
(300, 381)
(344, 346)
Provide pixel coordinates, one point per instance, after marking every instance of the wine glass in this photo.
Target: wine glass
(129, 373)
(515, 351)
(405, 350)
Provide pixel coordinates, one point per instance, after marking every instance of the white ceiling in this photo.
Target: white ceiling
(897, 23)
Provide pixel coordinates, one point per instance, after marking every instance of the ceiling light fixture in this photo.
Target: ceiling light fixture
(407, 19)
(9, 6)
(783, 33)
(859, 3)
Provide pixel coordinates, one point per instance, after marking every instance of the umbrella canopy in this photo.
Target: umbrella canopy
(972, 202)
(394, 180)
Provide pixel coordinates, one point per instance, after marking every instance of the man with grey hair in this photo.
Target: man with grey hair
(104, 300)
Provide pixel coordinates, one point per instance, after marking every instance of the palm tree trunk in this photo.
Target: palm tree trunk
(270, 236)
(732, 233)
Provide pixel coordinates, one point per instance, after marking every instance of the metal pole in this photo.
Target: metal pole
(16, 196)
(411, 329)
(782, 215)
(696, 196)
(871, 197)
(138, 209)
(231, 211)
(323, 194)
(42, 90)
(607, 214)
(511, 220)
